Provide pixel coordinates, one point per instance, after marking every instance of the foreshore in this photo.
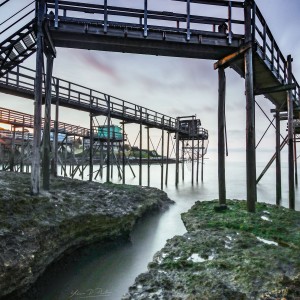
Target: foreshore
(38, 230)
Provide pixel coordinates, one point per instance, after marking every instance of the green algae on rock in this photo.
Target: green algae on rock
(37, 230)
(231, 254)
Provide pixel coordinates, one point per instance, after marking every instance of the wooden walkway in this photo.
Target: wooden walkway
(22, 120)
(20, 82)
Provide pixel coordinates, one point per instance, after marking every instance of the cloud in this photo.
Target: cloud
(97, 63)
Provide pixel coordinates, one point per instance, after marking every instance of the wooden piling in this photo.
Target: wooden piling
(123, 153)
(182, 160)
(202, 160)
(278, 160)
(198, 158)
(162, 161)
(193, 148)
(177, 154)
(108, 141)
(148, 158)
(221, 136)
(295, 159)
(55, 138)
(47, 126)
(167, 162)
(38, 94)
(140, 152)
(91, 166)
(12, 150)
(22, 149)
(250, 114)
(290, 136)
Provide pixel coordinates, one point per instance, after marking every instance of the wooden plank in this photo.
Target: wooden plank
(275, 89)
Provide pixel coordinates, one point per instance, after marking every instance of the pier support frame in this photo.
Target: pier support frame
(221, 136)
(250, 114)
(47, 125)
(35, 165)
(278, 160)
(290, 137)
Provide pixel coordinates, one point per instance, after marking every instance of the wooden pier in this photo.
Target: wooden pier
(244, 43)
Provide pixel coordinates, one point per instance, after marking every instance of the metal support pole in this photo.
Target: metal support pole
(47, 125)
(56, 14)
(105, 17)
(290, 137)
(91, 149)
(221, 136)
(38, 94)
(167, 162)
(278, 160)
(250, 115)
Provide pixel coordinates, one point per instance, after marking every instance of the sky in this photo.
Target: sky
(173, 86)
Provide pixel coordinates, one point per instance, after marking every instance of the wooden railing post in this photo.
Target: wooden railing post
(145, 18)
(188, 20)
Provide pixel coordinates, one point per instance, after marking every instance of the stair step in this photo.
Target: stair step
(19, 47)
(28, 40)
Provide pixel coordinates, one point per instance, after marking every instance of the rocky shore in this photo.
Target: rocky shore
(37, 230)
(227, 254)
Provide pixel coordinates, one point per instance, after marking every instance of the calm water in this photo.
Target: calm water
(112, 270)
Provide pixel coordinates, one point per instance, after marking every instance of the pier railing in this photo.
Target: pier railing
(74, 95)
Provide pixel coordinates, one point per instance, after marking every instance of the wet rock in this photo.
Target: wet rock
(36, 230)
(227, 254)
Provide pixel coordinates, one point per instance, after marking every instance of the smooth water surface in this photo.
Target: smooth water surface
(107, 272)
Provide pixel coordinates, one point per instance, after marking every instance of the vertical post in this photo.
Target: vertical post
(295, 159)
(250, 115)
(290, 136)
(193, 148)
(278, 160)
(47, 125)
(55, 137)
(141, 145)
(167, 162)
(22, 148)
(56, 14)
(105, 16)
(177, 153)
(91, 166)
(123, 152)
(198, 149)
(188, 20)
(229, 22)
(182, 160)
(202, 160)
(12, 150)
(162, 160)
(221, 136)
(108, 141)
(101, 159)
(38, 93)
(145, 18)
(148, 159)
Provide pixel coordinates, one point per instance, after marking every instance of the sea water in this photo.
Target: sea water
(107, 272)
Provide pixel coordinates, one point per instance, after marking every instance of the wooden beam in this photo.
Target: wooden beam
(216, 2)
(278, 161)
(275, 89)
(225, 62)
